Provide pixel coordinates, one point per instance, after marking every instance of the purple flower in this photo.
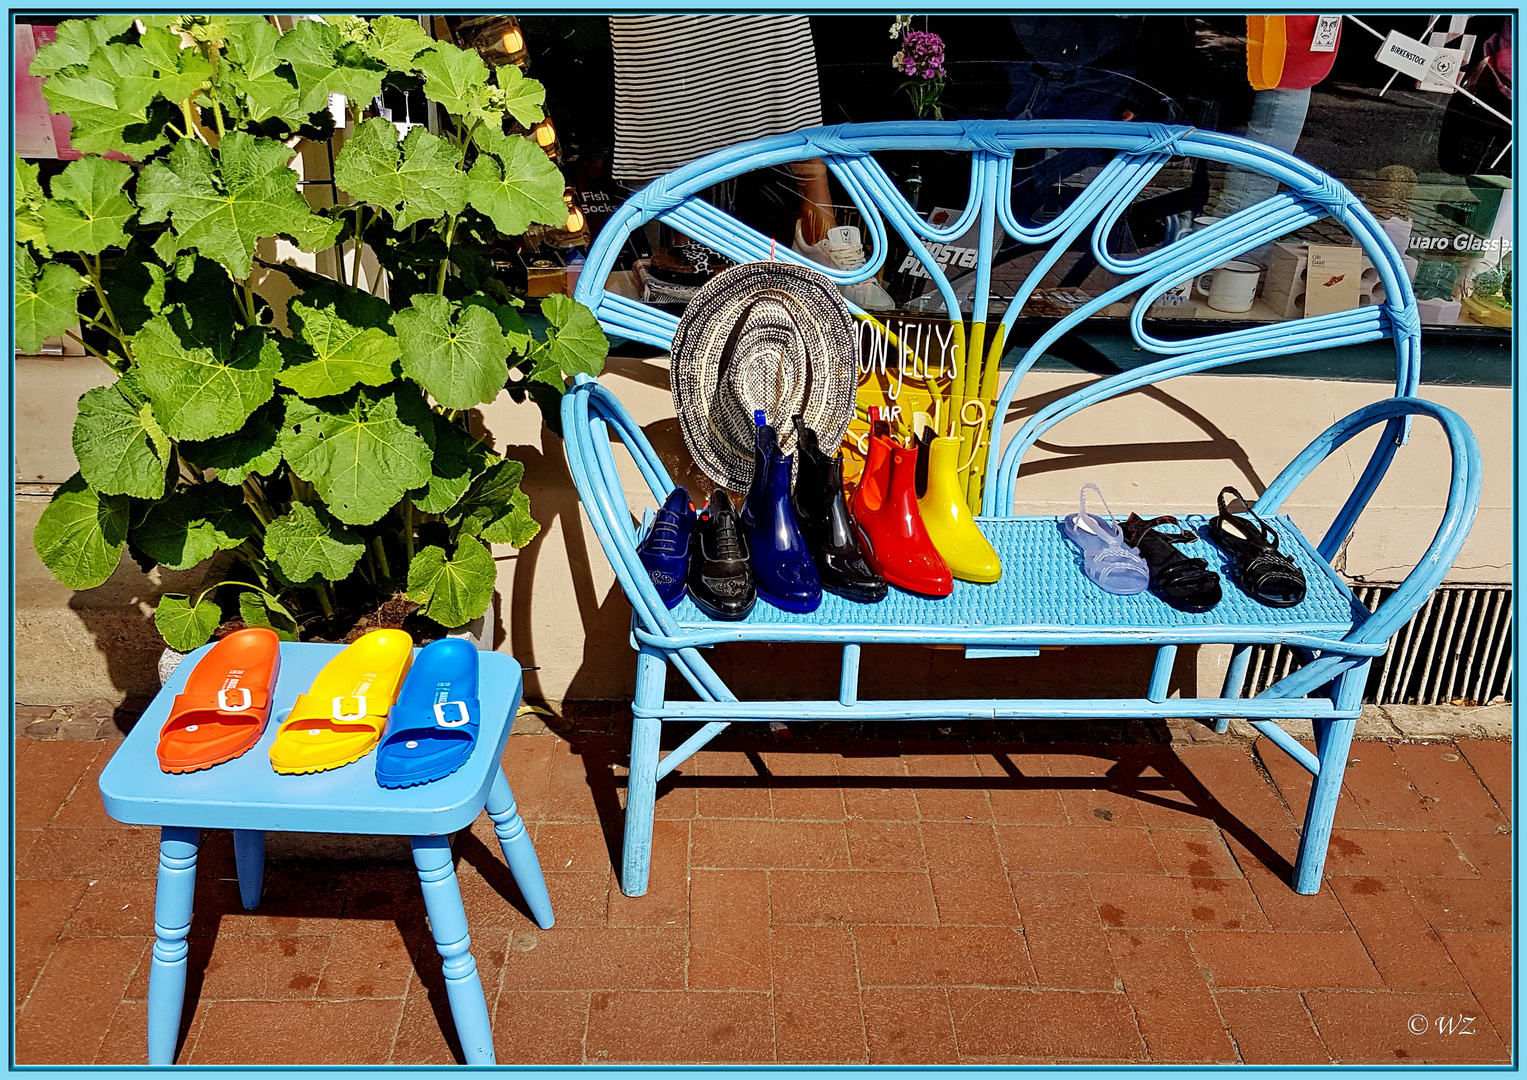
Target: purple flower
(922, 55)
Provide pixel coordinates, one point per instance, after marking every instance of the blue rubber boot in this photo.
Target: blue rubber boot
(783, 570)
(665, 550)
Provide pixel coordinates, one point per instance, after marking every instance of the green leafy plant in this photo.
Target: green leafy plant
(1493, 285)
(333, 461)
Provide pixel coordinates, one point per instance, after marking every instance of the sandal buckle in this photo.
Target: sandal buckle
(223, 705)
(338, 706)
(464, 717)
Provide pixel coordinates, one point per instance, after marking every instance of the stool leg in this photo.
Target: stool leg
(249, 856)
(448, 926)
(172, 923)
(519, 852)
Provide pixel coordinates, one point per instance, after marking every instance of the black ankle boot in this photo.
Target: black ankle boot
(828, 525)
(720, 579)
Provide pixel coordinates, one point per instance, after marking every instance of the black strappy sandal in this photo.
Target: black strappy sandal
(1262, 571)
(1187, 584)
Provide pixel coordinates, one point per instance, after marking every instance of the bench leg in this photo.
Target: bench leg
(1333, 739)
(1235, 680)
(448, 926)
(641, 784)
(518, 850)
(172, 923)
(249, 857)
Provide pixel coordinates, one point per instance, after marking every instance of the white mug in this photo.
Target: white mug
(1232, 287)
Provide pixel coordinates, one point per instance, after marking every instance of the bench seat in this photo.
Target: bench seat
(1045, 599)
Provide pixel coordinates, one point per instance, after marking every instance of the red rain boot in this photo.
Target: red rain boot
(891, 527)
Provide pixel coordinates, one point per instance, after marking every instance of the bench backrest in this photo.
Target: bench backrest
(1133, 153)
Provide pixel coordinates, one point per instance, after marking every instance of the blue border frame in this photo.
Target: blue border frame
(844, 6)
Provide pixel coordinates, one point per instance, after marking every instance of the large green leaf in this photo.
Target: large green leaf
(180, 70)
(522, 98)
(456, 353)
(81, 533)
(457, 458)
(455, 79)
(574, 342)
(329, 354)
(510, 321)
(119, 445)
(89, 209)
(307, 541)
(76, 40)
(453, 591)
(191, 525)
(251, 49)
(222, 209)
(135, 288)
(425, 183)
(257, 610)
(313, 50)
(204, 384)
(516, 185)
(253, 450)
(29, 204)
(45, 300)
(362, 450)
(495, 508)
(112, 99)
(183, 626)
(395, 42)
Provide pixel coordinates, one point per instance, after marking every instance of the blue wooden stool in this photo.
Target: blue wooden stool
(247, 796)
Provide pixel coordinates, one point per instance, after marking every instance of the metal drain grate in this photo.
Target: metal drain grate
(1455, 651)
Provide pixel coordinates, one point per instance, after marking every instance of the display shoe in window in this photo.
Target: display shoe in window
(842, 249)
(720, 579)
(827, 523)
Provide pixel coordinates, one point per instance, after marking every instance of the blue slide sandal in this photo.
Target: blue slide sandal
(432, 729)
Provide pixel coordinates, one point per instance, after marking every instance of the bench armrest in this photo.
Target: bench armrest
(589, 412)
(1457, 518)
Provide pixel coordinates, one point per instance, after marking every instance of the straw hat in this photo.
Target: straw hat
(762, 335)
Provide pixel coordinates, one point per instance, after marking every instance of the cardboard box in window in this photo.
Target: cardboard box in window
(1286, 284)
(1334, 278)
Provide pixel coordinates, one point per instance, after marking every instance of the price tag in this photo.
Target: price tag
(1406, 55)
(1327, 30)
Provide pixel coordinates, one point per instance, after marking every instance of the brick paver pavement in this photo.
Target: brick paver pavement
(852, 900)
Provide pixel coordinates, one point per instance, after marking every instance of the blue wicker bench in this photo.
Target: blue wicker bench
(1042, 600)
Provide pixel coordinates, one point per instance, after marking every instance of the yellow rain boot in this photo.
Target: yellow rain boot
(342, 715)
(948, 520)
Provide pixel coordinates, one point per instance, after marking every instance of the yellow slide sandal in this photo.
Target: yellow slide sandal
(342, 715)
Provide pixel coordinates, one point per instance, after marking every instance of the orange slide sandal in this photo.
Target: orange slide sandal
(222, 710)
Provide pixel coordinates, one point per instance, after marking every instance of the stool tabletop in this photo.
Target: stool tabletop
(246, 793)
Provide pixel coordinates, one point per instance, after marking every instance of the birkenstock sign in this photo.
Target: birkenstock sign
(1406, 55)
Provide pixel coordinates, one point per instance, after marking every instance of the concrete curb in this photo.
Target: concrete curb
(1399, 723)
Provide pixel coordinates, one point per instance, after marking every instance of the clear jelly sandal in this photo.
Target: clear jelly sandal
(1106, 559)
